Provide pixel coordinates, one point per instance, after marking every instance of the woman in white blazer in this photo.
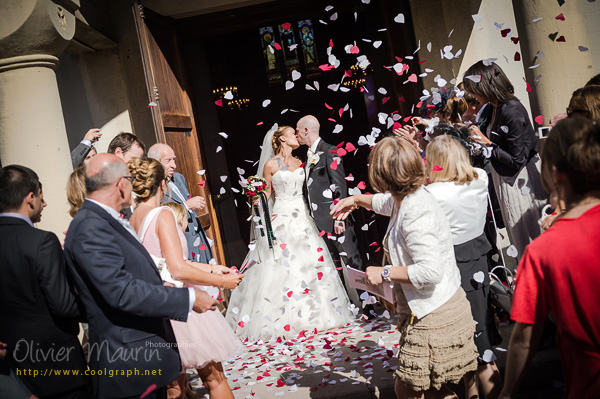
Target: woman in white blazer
(435, 321)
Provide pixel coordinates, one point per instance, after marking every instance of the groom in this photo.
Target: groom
(324, 184)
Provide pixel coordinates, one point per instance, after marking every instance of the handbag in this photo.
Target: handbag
(501, 292)
(161, 263)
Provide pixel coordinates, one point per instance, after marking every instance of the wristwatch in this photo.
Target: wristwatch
(385, 273)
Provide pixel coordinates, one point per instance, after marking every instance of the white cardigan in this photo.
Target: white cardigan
(420, 239)
(465, 206)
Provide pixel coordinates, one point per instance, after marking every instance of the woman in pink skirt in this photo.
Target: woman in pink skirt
(206, 340)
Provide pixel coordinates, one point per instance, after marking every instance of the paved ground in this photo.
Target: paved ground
(352, 362)
(358, 361)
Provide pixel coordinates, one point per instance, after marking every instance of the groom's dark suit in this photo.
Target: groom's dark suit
(126, 304)
(38, 310)
(320, 177)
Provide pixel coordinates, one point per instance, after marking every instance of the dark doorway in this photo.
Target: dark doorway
(225, 50)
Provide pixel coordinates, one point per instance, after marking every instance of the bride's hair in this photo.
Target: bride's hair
(276, 140)
(148, 174)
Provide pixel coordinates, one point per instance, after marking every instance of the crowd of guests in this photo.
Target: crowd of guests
(112, 277)
(437, 255)
(133, 215)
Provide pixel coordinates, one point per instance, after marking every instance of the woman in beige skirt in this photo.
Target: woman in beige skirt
(435, 322)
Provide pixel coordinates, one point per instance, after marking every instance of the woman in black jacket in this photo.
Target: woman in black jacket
(512, 150)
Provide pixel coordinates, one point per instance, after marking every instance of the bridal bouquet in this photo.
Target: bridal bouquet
(255, 187)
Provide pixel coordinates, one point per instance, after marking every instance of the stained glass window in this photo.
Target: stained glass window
(307, 39)
(289, 47)
(271, 60)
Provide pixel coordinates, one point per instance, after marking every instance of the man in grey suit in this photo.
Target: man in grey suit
(198, 244)
(127, 306)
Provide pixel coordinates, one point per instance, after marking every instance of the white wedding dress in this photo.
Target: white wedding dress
(294, 286)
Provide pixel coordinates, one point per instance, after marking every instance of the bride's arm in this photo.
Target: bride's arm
(270, 169)
(166, 231)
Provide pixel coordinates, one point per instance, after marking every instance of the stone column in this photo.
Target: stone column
(563, 68)
(33, 33)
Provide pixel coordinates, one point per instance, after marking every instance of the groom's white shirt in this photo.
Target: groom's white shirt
(312, 151)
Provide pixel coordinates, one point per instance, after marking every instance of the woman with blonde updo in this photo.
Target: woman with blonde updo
(294, 286)
(205, 340)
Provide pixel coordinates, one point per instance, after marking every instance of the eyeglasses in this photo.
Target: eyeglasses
(576, 111)
(130, 178)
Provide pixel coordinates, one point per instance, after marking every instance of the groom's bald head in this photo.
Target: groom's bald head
(307, 130)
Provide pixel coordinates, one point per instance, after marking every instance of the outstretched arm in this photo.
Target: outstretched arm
(166, 231)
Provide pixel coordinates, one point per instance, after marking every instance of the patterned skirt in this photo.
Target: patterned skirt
(439, 348)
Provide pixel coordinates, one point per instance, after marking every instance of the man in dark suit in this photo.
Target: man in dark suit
(80, 153)
(39, 312)
(198, 244)
(324, 184)
(127, 306)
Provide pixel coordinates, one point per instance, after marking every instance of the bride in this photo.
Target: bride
(294, 286)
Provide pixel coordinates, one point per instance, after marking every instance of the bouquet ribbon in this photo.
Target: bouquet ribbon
(268, 225)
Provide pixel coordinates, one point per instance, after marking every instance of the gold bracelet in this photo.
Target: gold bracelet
(355, 202)
(211, 268)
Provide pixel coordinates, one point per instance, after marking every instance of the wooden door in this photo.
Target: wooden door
(173, 115)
